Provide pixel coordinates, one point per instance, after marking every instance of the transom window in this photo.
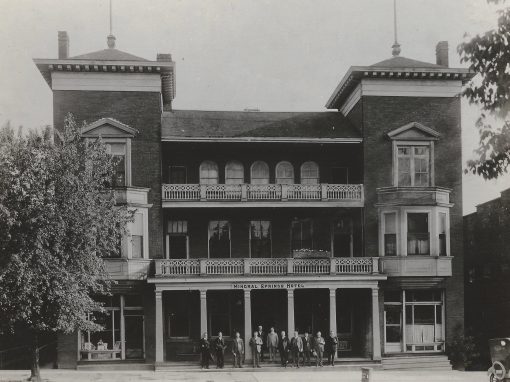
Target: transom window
(259, 173)
(219, 239)
(260, 238)
(284, 173)
(413, 166)
(234, 173)
(309, 173)
(208, 173)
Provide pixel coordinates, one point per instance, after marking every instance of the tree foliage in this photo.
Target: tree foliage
(488, 56)
(57, 220)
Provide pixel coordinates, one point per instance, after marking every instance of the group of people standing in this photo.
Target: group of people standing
(295, 351)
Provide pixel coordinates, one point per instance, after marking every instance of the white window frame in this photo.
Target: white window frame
(396, 144)
(278, 166)
(229, 237)
(301, 172)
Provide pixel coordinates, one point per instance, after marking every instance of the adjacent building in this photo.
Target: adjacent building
(347, 220)
(487, 266)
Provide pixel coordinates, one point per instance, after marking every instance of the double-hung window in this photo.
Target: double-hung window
(219, 239)
(418, 234)
(137, 237)
(413, 166)
(390, 234)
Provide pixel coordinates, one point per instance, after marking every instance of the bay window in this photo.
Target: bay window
(418, 234)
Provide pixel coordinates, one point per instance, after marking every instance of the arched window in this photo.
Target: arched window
(284, 173)
(208, 172)
(309, 173)
(234, 173)
(259, 173)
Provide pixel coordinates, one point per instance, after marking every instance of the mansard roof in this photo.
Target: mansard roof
(252, 126)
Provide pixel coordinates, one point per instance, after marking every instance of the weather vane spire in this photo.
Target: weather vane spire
(110, 40)
(396, 46)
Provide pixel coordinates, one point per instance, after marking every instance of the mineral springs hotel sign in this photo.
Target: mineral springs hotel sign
(267, 285)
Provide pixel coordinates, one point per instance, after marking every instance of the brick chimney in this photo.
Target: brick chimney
(63, 45)
(167, 82)
(442, 53)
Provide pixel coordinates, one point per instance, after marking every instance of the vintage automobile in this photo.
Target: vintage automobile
(500, 357)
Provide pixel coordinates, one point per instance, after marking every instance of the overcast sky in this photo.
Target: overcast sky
(275, 55)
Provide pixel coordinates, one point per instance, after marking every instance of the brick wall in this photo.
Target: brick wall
(140, 110)
(383, 114)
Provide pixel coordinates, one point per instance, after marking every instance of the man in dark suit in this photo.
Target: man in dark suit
(283, 348)
(307, 348)
(219, 348)
(331, 347)
(205, 351)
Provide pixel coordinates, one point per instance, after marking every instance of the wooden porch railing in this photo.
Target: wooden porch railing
(266, 266)
(262, 192)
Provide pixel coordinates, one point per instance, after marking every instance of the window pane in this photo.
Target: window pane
(137, 246)
(424, 314)
(418, 223)
(404, 171)
(137, 224)
(393, 314)
(393, 334)
(260, 173)
(219, 239)
(119, 179)
(309, 173)
(390, 244)
(209, 173)
(234, 173)
(390, 224)
(284, 173)
(417, 234)
(260, 236)
(392, 295)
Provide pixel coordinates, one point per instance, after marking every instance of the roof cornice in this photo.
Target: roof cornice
(46, 66)
(355, 73)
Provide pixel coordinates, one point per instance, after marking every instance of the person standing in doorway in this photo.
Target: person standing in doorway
(272, 344)
(256, 348)
(283, 348)
(238, 350)
(331, 347)
(307, 348)
(296, 345)
(219, 347)
(205, 351)
(319, 349)
(262, 334)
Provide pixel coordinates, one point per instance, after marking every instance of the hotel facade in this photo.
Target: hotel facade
(347, 220)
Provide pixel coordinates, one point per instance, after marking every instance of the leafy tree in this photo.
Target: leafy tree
(57, 220)
(488, 56)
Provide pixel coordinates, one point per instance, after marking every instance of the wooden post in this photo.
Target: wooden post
(159, 326)
(290, 313)
(376, 330)
(203, 312)
(247, 323)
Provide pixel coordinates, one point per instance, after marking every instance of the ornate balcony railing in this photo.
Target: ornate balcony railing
(262, 192)
(266, 266)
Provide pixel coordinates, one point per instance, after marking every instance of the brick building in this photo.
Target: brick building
(347, 220)
(487, 266)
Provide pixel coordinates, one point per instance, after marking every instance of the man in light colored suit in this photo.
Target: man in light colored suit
(296, 347)
(272, 344)
(238, 350)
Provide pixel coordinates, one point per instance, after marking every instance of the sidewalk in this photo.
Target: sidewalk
(227, 375)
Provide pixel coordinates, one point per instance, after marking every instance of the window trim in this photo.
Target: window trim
(395, 146)
(270, 235)
(229, 238)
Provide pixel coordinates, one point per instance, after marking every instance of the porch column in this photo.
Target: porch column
(290, 313)
(376, 329)
(203, 312)
(332, 312)
(159, 326)
(122, 328)
(247, 323)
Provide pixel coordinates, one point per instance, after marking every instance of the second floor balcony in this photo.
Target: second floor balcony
(179, 268)
(291, 195)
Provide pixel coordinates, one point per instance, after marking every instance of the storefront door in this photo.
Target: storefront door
(392, 328)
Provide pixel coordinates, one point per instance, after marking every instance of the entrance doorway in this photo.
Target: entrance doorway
(135, 344)
(269, 309)
(311, 311)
